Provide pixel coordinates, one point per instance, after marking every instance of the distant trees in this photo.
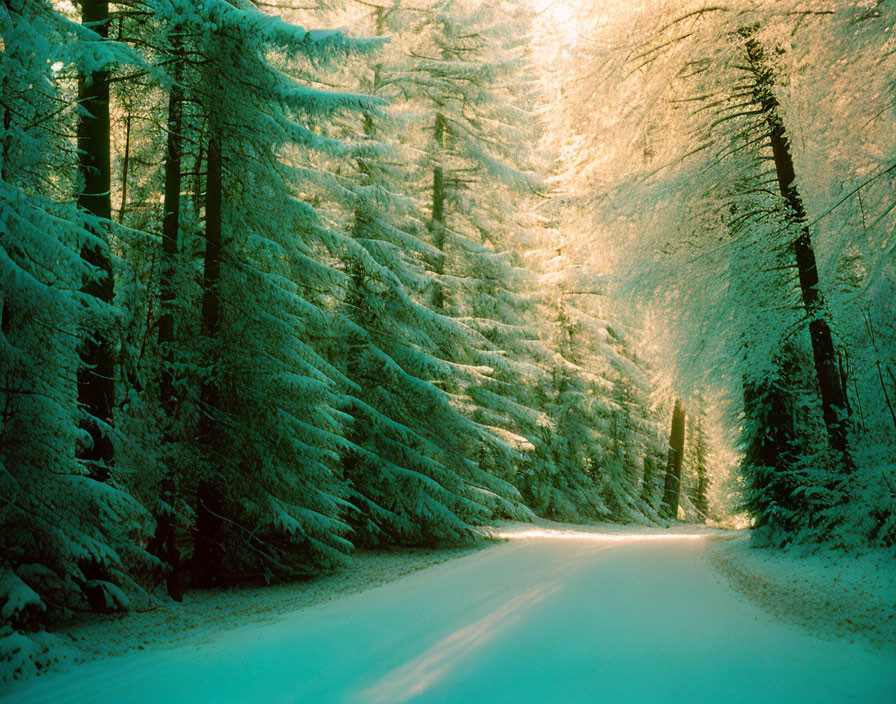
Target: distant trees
(697, 441)
(760, 205)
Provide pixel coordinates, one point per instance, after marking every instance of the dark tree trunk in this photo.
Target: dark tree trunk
(5, 312)
(165, 533)
(96, 384)
(170, 249)
(208, 537)
(164, 542)
(672, 489)
(198, 160)
(438, 216)
(833, 399)
(211, 272)
(7, 139)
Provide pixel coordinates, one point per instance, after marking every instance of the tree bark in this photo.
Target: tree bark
(165, 533)
(5, 312)
(198, 160)
(833, 399)
(211, 272)
(648, 479)
(438, 216)
(170, 244)
(7, 130)
(208, 536)
(672, 489)
(96, 384)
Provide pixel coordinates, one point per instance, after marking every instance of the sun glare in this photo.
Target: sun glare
(563, 18)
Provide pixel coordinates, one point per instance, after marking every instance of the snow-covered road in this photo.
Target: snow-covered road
(542, 618)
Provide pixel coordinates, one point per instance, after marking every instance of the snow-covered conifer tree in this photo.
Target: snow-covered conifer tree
(70, 540)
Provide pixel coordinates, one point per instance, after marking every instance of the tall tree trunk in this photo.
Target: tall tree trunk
(170, 246)
(7, 131)
(5, 312)
(96, 384)
(648, 479)
(833, 398)
(698, 442)
(208, 538)
(197, 175)
(165, 534)
(672, 489)
(125, 164)
(211, 272)
(438, 215)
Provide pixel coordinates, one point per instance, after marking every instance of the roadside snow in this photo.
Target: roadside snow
(828, 592)
(203, 616)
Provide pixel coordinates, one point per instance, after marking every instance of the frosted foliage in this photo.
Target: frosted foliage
(273, 450)
(491, 356)
(665, 144)
(67, 538)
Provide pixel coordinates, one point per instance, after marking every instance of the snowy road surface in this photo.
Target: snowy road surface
(556, 618)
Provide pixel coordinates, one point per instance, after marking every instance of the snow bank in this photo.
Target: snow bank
(17, 598)
(543, 528)
(828, 592)
(203, 616)
(23, 656)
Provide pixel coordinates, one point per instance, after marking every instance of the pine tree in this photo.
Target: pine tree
(697, 442)
(68, 538)
(476, 164)
(833, 398)
(267, 499)
(408, 468)
(96, 376)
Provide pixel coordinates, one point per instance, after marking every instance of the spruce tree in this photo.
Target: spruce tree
(68, 538)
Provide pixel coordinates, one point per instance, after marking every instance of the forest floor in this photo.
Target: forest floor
(556, 613)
